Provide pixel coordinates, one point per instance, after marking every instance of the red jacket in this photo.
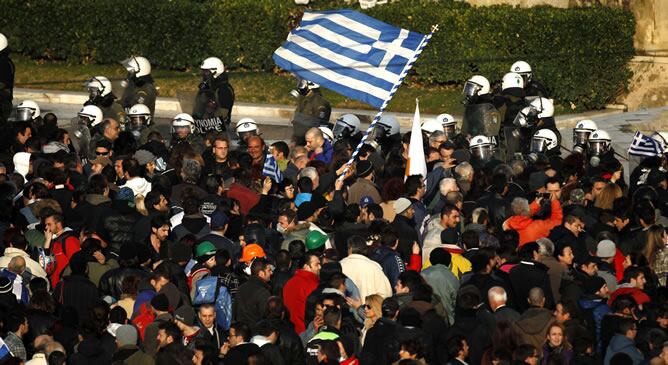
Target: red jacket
(247, 198)
(637, 294)
(62, 260)
(295, 292)
(531, 229)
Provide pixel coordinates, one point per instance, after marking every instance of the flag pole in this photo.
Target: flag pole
(395, 87)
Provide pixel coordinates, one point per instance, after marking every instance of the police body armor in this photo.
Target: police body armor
(312, 111)
(140, 90)
(481, 119)
(213, 106)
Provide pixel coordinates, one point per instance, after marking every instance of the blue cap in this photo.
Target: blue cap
(366, 200)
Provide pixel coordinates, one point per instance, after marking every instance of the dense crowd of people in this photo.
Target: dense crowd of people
(121, 246)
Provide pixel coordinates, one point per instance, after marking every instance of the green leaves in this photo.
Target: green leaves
(581, 54)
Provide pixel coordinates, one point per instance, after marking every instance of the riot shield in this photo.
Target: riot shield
(481, 119)
(510, 144)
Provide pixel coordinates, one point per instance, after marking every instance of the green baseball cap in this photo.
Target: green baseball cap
(314, 240)
(205, 248)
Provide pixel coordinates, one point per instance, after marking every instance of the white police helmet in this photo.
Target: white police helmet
(346, 124)
(476, 85)
(543, 140)
(92, 114)
(213, 65)
(599, 142)
(3, 42)
(512, 80)
(27, 110)
(544, 106)
(448, 122)
(182, 120)
(582, 131)
(137, 65)
(522, 68)
(98, 86)
(482, 147)
(139, 115)
(390, 123)
(432, 125)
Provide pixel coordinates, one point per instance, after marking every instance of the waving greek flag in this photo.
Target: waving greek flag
(271, 168)
(643, 145)
(350, 53)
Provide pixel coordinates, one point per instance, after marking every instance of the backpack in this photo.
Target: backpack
(143, 319)
(47, 260)
(210, 290)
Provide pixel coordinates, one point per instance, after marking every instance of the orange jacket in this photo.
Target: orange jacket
(531, 229)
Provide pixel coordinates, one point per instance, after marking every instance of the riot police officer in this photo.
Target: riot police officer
(182, 132)
(139, 86)
(313, 110)
(214, 101)
(583, 129)
(140, 122)
(600, 148)
(245, 128)
(101, 95)
(532, 87)
(6, 80)
(450, 129)
(538, 115)
(543, 143)
(385, 134)
(327, 134)
(28, 111)
(347, 127)
(481, 116)
(482, 149)
(85, 128)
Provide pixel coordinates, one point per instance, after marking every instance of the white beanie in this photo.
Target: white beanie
(22, 163)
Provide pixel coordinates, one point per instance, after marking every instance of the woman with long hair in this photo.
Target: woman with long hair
(372, 312)
(606, 199)
(656, 252)
(557, 344)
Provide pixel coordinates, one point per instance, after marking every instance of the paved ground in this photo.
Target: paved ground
(621, 126)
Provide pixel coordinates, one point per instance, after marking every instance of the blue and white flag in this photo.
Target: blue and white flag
(643, 145)
(350, 53)
(4, 349)
(271, 168)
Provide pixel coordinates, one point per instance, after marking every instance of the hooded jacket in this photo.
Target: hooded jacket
(532, 326)
(531, 229)
(390, 262)
(367, 275)
(621, 343)
(594, 309)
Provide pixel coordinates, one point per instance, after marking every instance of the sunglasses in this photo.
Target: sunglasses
(366, 306)
(101, 153)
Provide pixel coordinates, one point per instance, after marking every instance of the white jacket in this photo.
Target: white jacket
(432, 239)
(367, 275)
(32, 265)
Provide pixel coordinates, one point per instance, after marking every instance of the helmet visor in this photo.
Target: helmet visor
(471, 89)
(449, 130)
(598, 148)
(538, 145)
(24, 114)
(93, 92)
(483, 152)
(341, 129)
(137, 122)
(376, 133)
(580, 137)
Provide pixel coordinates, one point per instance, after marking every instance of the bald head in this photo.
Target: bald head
(41, 341)
(314, 139)
(17, 265)
(536, 297)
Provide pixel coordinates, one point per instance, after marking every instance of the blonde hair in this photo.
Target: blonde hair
(606, 199)
(654, 243)
(375, 301)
